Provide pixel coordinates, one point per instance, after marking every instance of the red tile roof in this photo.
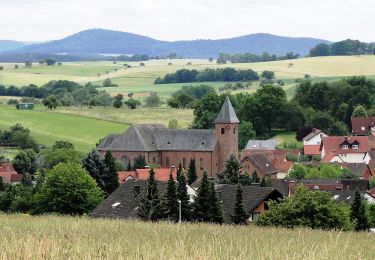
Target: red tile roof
(311, 150)
(359, 122)
(271, 154)
(282, 165)
(8, 173)
(332, 145)
(161, 174)
(7, 167)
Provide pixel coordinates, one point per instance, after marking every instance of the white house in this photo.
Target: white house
(314, 138)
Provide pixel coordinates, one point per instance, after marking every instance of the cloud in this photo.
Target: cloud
(175, 20)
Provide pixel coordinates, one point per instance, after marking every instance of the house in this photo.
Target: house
(363, 125)
(345, 149)
(170, 147)
(314, 138)
(161, 174)
(260, 164)
(124, 201)
(360, 170)
(255, 199)
(9, 174)
(261, 145)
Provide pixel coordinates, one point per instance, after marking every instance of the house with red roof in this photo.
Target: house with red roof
(314, 138)
(345, 149)
(9, 174)
(363, 125)
(161, 174)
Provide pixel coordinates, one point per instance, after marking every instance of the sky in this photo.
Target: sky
(42, 20)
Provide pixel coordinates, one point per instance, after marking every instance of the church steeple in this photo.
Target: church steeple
(227, 114)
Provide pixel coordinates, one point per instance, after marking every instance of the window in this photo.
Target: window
(234, 130)
(344, 146)
(201, 164)
(114, 205)
(167, 161)
(222, 131)
(137, 190)
(184, 163)
(254, 216)
(153, 160)
(363, 128)
(355, 146)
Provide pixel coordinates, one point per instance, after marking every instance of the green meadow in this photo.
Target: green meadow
(47, 127)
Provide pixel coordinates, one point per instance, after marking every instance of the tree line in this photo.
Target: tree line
(343, 48)
(224, 58)
(208, 75)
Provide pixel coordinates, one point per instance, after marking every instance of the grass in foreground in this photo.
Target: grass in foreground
(48, 127)
(52, 237)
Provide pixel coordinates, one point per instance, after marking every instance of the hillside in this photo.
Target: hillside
(99, 41)
(8, 45)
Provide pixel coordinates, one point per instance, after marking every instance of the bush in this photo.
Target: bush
(12, 102)
(153, 100)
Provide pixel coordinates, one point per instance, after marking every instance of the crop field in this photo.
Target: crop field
(48, 127)
(53, 237)
(139, 79)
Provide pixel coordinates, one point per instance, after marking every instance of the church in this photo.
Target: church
(170, 147)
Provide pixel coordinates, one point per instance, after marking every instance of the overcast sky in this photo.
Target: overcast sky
(40, 20)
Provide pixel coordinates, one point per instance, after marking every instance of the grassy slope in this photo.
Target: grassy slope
(48, 127)
(55, 237)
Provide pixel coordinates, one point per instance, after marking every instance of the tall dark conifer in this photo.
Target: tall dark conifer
(170, 200)
(240, 216)
(111, 177)
(358, 213)
(215, 212)
(183, 196)
(95, 166)
(192, 172)
(231, 173)
(201, 204)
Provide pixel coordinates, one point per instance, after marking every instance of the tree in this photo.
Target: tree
(16, 67)
(255, 177)
(96, 168)
(306, 208)
(50, 62)
(266, 74)
(358, 213)
(182, 195)
(28, 64)
(240, 216)
(153, 100)
(170, 200)
(61, 144)
(111, 177)
(245, 133)
(192, 172)
(107, 83)
(25, 162)
(215, 212)
(359, 111)
(139, 162)
(63, 155)
(51, 102)
(132, 103)
(118, 101)
(201, 203)
(150, 204)
(173, 124)
(231, 173)
(68, 189)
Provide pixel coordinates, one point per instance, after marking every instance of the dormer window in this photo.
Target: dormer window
(345, 146)
(355, 146)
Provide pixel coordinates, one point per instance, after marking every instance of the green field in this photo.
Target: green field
(140, 79)
(48, 127)
(53, 237)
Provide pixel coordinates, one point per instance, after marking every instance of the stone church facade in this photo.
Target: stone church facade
(169, 147)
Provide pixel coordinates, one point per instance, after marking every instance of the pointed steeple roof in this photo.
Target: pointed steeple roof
(227, 114)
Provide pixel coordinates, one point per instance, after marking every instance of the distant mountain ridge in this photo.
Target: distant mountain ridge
(9, 45)
(100, 41)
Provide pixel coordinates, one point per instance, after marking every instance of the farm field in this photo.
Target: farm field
(48, 127)
(53, 237)
(139, 79)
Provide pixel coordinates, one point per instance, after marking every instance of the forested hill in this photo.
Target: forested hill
(99, 41)
(7, 45)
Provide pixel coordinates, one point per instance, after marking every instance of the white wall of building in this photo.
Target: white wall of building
(317, 139)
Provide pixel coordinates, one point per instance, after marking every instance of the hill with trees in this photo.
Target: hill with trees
(100, 41)
(8, 45)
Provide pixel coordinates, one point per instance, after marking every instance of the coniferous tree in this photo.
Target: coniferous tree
(170, 200)
(192, 172)
(215, 212)
(95, 166)
(263, 183)
(231, 173)
(183, 196)
(129, 166)
(150, 204)
(111, 177)
(201, 204)
(358, 213)
(240, 215)
(139, 162)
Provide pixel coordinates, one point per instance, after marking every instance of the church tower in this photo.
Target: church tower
(226, 129)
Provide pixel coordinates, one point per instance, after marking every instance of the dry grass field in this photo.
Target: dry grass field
(53, 237)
